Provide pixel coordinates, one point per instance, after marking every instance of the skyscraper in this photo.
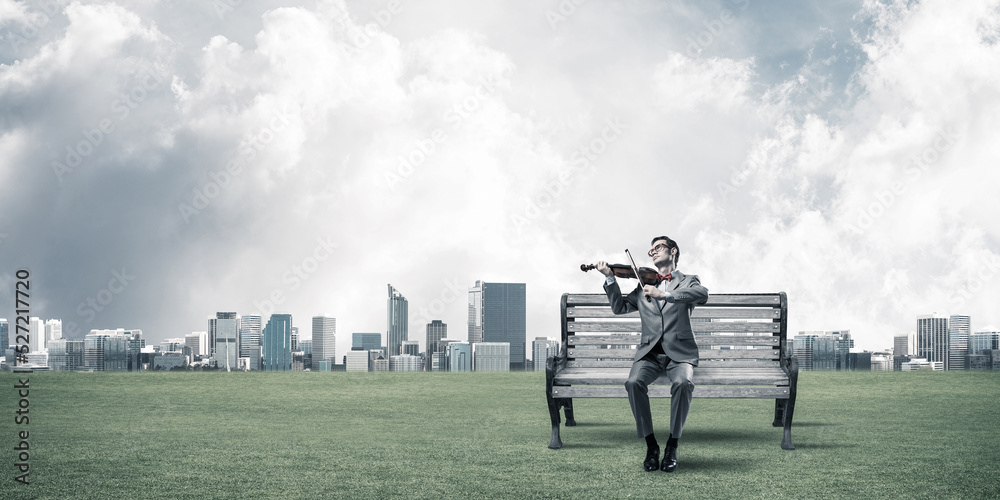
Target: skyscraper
(397, 321)
(904, 344)
(361, 341)
(65, 355)
(541, 349)
(198, 342)
(227, 327)
(503, 317)
(250, 330)
(476, 313)
(324, 339)
(460, 357)
(986, 340)
(278, 343)
(53, 330)
(932, 338)
(436, 330)
(4, 335)
(36, 334)
(958, 342)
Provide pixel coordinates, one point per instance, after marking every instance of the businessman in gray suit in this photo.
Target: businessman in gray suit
(667, 344)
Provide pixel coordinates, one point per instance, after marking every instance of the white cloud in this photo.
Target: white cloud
(685, 83)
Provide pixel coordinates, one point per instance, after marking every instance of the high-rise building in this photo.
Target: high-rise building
(932, 338)
(823, 350)
(411, 347)
(36, 334)
(491, 357)
(476, 313)
(904, 344)
(227, 327)
(502, 314)
(541, 349)
(53, 330)
(277, 339)
(365, 341)
(460, 357)
(324, 341)
(436, 330)
(198, 342)
(397, 321)
(4, 334)
(250, 331)
(980, 341)
(958, 342)
(65, 354)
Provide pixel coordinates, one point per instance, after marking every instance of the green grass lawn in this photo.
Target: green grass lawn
(431, 435)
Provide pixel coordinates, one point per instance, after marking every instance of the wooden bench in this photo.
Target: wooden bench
(743, 348)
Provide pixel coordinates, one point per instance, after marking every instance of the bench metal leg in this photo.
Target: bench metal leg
(789, 410)
(554, 404)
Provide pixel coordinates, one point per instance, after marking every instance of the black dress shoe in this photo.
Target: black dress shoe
(652, 461)
(669, 463)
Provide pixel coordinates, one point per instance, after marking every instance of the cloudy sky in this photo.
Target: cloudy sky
(161, 161)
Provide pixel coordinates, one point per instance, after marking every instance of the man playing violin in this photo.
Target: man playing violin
(667, 345)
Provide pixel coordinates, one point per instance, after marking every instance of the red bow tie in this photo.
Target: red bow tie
(661, 277)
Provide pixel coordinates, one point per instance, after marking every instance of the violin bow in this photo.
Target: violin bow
(635, 269)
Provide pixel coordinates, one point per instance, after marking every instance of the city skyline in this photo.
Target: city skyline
(296, 156)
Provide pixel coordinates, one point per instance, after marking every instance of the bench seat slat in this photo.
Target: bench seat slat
(702, 340)
(702, 376)
(660, 391)
(577, 353)
(633, 325)
(627, 363)
(699, 312)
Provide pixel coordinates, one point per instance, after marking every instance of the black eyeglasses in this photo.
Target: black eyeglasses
(657, 248)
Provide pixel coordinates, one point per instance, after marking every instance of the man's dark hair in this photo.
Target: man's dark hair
(670, 244)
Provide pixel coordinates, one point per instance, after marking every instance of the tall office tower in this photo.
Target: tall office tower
(324, 341)
(459, 357)
(211, 336)
(904, 344)
(503, 313)
(36, 334)
(134, 343)
(932, 338)
(365, 341)
(295, 338)
(411, 347)
(958, 342)
(822, 350)
(541, 349)
(66, 354)
(397, 321)
(4, 335)
(476, 313)
(981, 341)
(250, 328)
(306, 346)
(278, 343)
(491, 357)
(844, 344)
(198, 342)
(436, 330)
(53, 330)
(227, 328)
(106, 350)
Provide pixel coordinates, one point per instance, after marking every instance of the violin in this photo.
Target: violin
(648, 275)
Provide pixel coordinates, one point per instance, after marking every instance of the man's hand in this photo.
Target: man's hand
(656, 293)
(604, 269)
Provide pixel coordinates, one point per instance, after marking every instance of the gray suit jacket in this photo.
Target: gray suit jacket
(669, 323)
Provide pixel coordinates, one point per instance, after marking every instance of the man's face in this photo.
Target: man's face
(660, 253)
